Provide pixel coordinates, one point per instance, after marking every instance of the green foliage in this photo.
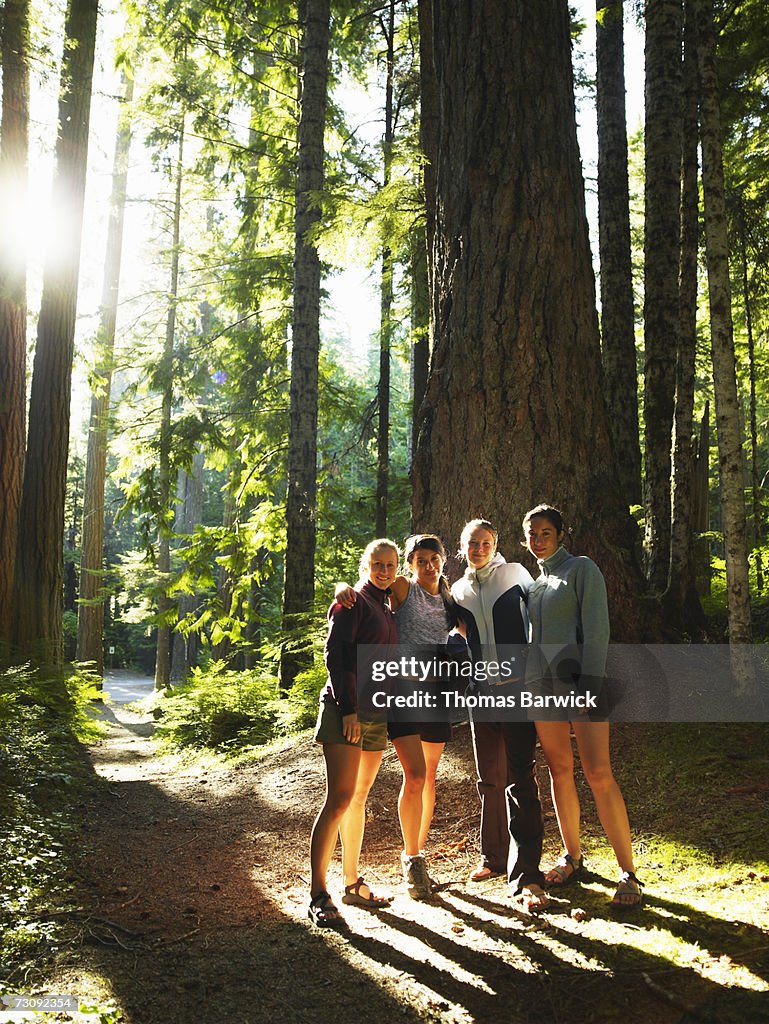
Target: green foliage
(41, 772)
(228, 711)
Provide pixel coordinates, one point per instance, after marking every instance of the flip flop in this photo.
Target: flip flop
(483, 872)
(533, 898)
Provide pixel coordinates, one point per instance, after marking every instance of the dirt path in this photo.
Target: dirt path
(194, 895)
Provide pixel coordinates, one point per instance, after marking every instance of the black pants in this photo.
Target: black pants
(511, 812)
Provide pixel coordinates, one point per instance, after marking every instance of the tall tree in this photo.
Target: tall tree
(617, 313)
(39, 564)
(305, 336)
(681, 592)
(90, 618)
(14, 145)
(386, 290)
(728, 410)
(514, 412)
(165, 604)
(423, 249)
(664, 22)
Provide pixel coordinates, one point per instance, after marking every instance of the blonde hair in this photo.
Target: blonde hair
(469, 530)
(370, 548)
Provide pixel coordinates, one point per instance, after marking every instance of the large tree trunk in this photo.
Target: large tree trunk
(386, 296)
(420, 331)
(617, 314)
(14, 145)
(428, 140)
(730, 461)
(681, 594)
(165, 604)
(90, 618)
(661, 254)
(301, 505)
(39, 566)
(514, 412)
(755, 472)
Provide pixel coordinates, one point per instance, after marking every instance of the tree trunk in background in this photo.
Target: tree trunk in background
(222, 650)
(730, 460)
(617, 313)
(661, 255)
(14, 145)
(90, 617)
(681, 594)
(701, 506)
(428, 139)
(514, 411)
(166, 375)
(39, 565)
(386, 298)
(755, 474)
(420, 331)
(189, 514)
(305, 343)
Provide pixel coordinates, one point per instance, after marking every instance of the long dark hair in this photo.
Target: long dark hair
(431, 542)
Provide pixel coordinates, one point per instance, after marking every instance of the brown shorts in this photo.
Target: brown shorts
(328, 729)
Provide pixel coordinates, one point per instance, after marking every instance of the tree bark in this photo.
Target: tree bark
(301, 504)
(428, 139)
(730, 461)
(681, 594)
(386, 296)
(165, 605)
(617, 313)
(420, 331)
(661, 254)
(39, 566)
(90, 618)
(755, 473)
(14, 146)
(514, 411)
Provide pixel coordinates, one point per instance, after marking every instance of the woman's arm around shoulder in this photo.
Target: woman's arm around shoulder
(399, 591)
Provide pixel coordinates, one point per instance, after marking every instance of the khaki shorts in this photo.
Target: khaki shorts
(373, 735)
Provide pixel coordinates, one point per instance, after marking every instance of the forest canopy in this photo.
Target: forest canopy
(277, 279)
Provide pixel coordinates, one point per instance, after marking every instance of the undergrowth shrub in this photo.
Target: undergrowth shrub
(228, 710)
(41, 775)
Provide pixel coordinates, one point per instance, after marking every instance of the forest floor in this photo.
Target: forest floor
(191, 898)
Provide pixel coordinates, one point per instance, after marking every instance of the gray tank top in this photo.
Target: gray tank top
(421, 618)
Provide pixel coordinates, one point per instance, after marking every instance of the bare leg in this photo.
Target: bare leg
(593, 744)
(342, 762)
(432, 755)
(353, 823)
(555, 740)
(409, 750)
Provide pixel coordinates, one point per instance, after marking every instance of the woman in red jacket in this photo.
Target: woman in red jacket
(352, 748)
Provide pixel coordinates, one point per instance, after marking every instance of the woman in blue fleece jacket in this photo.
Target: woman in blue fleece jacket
(568, 612)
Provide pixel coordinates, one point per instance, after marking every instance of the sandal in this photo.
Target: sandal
(565, 871)
(323, 913)
(629, 891)
(353, 897)
(483, 872)
(533, 898)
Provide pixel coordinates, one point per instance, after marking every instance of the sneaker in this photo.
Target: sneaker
(434, 886)
(415, 876)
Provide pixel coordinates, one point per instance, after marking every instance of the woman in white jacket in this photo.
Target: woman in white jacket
(492, 603)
